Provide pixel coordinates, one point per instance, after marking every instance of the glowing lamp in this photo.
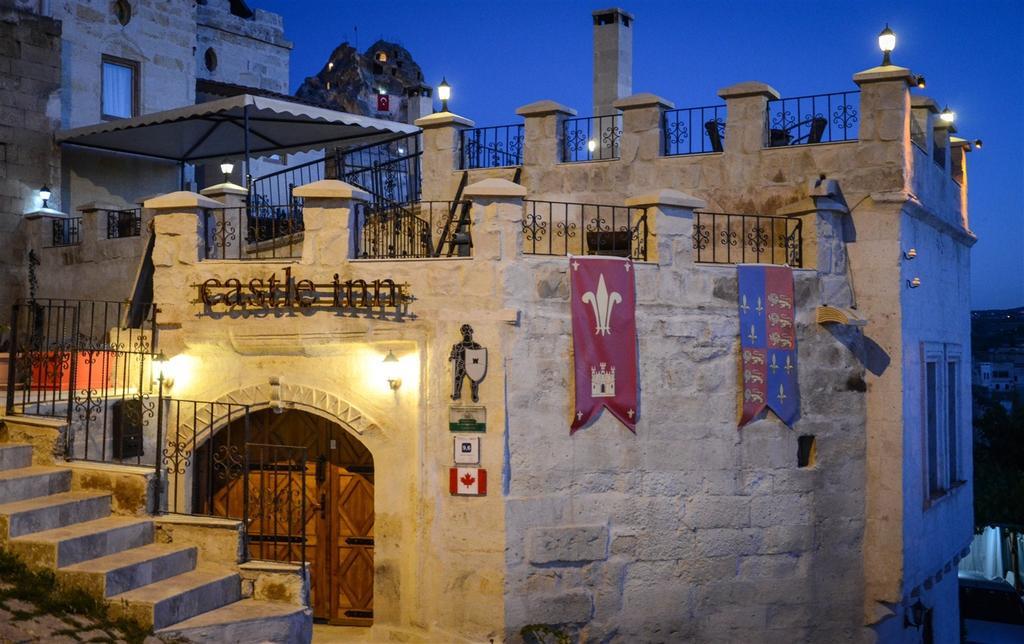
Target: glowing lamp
(162, 371)
(977, 144)
(44, 194)
(947, 115)
(444, 92)
(226, 169)
(391, 370)
(920, 82)
(887, 42)
(591, 145)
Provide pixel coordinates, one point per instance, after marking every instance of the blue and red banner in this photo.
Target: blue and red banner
(768, 342)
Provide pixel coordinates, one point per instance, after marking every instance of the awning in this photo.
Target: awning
(216, 130)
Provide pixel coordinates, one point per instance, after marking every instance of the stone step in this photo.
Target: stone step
(123, 571)
(48, 512)
(248, 620)
(82, 541)
(15, 455)
(31, 482)
(178, 598)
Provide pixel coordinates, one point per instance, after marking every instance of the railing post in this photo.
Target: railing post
(12, 363)
(884, 135)
(746, 127)
(159, 442)
(642, 119)
(669, 216)
(440, 154)
(542, 146)
(497, 218)
(328, 215)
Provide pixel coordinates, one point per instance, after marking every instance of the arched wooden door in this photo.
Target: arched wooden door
(332, 494)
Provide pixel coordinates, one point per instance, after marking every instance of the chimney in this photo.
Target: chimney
(613, 58)
(420, 102)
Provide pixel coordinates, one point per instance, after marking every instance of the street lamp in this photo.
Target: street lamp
(920, 82)
(391, 370)
(44, 194)
(226, 169)
(947, 115)
(887, 42)
(977, 144)
(444, 92)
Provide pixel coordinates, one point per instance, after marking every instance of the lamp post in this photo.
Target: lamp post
(44, 194)
(444, 92)
(887, 42)
(947, 115)
(226, 168)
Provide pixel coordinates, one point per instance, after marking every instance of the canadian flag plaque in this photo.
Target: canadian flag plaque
(604, 339)
(467, 481)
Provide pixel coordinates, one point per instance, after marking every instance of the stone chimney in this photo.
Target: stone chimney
(420, 101)
(613, 58)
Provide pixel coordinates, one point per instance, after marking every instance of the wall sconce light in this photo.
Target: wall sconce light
(914, 615)
(914, 283)
(947, 115)
(920, 82)
(977, 144)
(591, 145)
(226, 168)
(887, 42)
(444, 92)
(391, 370)
(45, 194)
(910, 253)
(161, 369)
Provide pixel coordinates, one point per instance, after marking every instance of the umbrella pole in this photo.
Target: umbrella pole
(248, 177)
(181, 175)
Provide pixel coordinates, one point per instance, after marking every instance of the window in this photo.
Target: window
(123, 12)
(210, 59)
(942, 406)
(120, 84)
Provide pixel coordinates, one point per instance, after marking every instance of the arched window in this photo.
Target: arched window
(210, 59)
(123, 11)
(382, 57)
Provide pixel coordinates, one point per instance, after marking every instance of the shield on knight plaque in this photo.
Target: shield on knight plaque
(476, 364)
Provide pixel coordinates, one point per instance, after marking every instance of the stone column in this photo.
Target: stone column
(543, 145)
(440, 154)
(329, 217)
(885, 125)
(176, 224)
(94, 221)
(229, 194)
(670, 225)
(642, 135)
(497, 219)
(746, 108)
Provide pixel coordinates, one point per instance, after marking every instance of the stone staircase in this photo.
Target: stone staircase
(163, 586)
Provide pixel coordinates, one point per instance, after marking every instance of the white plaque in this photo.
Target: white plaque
(467, 450)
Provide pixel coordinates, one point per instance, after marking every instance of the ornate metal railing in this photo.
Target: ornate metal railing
(563, 228)
(91, 364)
(497, 146)
(389, 170)
(66, 231)
(821, 118)
(694, 130)
(724, 238)
(591, 138)
(256, 232)
(411, 230)
(124, 223)
(277, 187)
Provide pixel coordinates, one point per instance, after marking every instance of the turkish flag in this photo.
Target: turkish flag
(383, 103)
(604, 339)
(467, 481)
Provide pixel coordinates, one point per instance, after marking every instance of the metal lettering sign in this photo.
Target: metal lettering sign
(376, 296)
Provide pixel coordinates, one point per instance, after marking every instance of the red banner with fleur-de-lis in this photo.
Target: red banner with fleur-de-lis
(603, 306)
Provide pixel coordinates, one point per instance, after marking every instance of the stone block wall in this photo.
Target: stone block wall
(248, 51)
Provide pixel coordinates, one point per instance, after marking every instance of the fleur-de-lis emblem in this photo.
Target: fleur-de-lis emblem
(789, 365)
(774, 366)
(744, 306)
(602, 303)
(753, 334)
(759, 307)
(782, 395)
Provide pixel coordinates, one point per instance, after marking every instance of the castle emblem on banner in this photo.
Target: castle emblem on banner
(602, 383)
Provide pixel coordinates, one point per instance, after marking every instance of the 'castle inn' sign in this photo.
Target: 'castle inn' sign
(379, 295)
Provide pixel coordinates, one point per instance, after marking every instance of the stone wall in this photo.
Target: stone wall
(30, 69)
(248, 51)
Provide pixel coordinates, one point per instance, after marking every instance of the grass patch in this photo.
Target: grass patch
(41, 589)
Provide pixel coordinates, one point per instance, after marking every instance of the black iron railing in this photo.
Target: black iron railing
(124, 223)
(91, 364)
(491, 147)
(256, 232)
(277, 187)
(389, 170)
(562, 228)
(592, 138)
(411, 230)
(723, 238)
(694, 130)
(66, 231)
(821, 118)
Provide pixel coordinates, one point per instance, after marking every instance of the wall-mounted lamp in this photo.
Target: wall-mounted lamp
(914, 283)
(45, 194)
(391, 370)
(920, 82)
(947, 115)
(591, 145)
(977, 144)
(915, 615)
(910, 253)
(887, 42)
(226, 168)
(444, 92)
(161, 369)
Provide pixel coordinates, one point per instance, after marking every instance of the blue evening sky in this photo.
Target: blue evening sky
(500, 54)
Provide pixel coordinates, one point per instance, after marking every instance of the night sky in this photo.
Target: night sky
(500, 54)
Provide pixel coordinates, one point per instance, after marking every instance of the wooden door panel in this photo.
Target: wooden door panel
(352, 583)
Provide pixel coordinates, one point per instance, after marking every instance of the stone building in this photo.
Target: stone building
(291, 377)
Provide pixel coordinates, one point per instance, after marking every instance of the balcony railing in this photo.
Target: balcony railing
(694, 130)
(413, 230)
(277, 187)
(723, 238)
(66, 232)
(257, 232)
(388, 170)
(498, 146)
(562, 228)
(124, 223)
(821, 118)
(593, 138)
